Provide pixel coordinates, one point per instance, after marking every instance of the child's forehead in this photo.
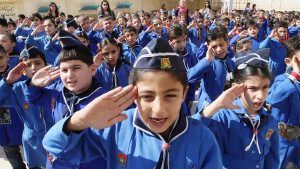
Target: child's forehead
(75, 62)
(217, 41)
(37, 58)
(129, 33)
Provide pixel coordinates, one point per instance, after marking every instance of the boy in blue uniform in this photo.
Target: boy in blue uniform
(11, 127)
(252, 30)
(75, 90)
(177, 36)
(284, 99)
(294, 30)
(156, 134)
(276, 42)
(114, 70)
(131, 48)
(246, 133)
(157, 30)
(36, 121)
(197, 35)
(212, 69)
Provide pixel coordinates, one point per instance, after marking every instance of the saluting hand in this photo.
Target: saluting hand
(209, 54)
(98, 59)
(44, 76)
(15, 74)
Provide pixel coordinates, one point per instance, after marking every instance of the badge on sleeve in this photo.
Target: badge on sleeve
(122, 159)
(26, 106)
(269, 133)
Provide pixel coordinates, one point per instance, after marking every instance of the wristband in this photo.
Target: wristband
(32, 83)
(296, 75)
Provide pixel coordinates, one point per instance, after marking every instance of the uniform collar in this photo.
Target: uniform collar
(71, 99)
(133, 46)
(182, 53)
(108, 67)
(5, 71)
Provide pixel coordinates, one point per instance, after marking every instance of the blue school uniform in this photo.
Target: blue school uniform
(27, 31)
(110, 78)
(154, 35)
(255, 42)
(131, 53)
(40, 43)
(19, 44)
(130, 144)
(36, 122)
(143, 38)
(284, 97)
(11, 127)
(233, 131)
(189, 60)
(197, 36)
(293, 31)
(277, 55)
(261, 32)
(63, 103)
(213, 77)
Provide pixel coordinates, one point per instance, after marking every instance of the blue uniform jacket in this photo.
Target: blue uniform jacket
(27, 31)
(233, 135)
(63, 103)
(277, 55)
(284, 97)
(261, 32)
(105, 75)
(194, 36)
(255, 42)
(41, 42)
(128, 145)
(131, 53)
(143, 38)
(154, 35)
(293, 31)
(213, 77)
(11, 127)
(36, 122)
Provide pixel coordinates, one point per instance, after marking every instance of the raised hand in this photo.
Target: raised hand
(104, 111)
(37, 30)
(273, 33)
(121, 39)
(150, 28)
(98, 26)
(296, 64)
(225, 100)
(172, 43)
(24, 23)
(209, 54)
(243, 33)
(44, 76)
(55, 37)
(98, 59)
(15, 74)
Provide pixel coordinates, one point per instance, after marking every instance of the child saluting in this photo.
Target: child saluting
(155, 135)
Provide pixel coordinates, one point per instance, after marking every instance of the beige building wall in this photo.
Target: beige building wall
(11, 8)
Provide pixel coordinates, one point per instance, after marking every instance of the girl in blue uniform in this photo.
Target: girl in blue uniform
(157, 29)
(143, 38)
(44, 43)
(155, 135)
(246, 133)
(114, 70)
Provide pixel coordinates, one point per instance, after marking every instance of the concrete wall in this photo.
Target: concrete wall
(11, 8)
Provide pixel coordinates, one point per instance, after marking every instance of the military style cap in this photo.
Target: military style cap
(158, 54)
(30, 52)
(67, 39)
(258, 58)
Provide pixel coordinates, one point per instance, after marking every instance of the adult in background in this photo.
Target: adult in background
(106, 11)
(247, 8)
(53, 10)
(163, 9)
(182, 10)
(207, 7)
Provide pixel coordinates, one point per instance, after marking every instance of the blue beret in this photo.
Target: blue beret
(71, 22)
(258, 58)
(158, 54)
(67, 39)
(30, 52)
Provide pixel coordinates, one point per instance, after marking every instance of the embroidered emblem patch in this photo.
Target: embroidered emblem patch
(165, 63)
(122, 159)
(269, 133)
(26, 106)
(52, 103)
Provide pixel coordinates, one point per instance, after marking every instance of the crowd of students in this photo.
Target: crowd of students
(117, 91)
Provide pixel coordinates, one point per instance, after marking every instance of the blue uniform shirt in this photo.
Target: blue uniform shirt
(129, 145)
(284, 97)
(36, 122)
(63, 103)
(131, 53)
(194, 36)
(233, 133)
